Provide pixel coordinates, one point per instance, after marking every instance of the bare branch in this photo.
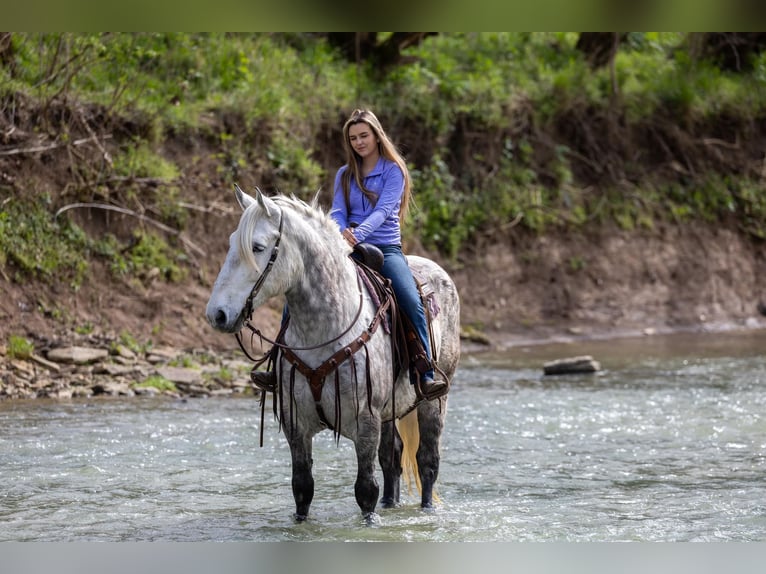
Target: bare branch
(139, 216)
(54, 145)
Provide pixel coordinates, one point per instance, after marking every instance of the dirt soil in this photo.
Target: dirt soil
(614, 283)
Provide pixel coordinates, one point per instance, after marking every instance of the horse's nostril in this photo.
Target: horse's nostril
(220, 318)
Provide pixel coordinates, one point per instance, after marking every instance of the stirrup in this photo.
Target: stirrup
(264, 380)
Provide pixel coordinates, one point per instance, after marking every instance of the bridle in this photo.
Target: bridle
(248, 309)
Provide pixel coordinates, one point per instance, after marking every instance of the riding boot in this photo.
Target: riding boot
(433, 388)
(264, 380)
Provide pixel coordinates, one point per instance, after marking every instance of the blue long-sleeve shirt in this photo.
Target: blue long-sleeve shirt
(379, 223)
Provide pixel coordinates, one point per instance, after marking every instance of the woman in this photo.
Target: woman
(371, 198)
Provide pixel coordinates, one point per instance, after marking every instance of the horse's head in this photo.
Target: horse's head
(244, 281)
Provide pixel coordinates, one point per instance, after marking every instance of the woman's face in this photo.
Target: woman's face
(362, 139)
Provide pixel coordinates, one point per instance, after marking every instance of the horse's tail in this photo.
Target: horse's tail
(409, 431)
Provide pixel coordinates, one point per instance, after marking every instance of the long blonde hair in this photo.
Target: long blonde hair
(386, 148)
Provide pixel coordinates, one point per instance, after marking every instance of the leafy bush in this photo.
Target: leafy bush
(146, 257)
(19, 347)
(39, 245)
(139, 160)
(157, 382)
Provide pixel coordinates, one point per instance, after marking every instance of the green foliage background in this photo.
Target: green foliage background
(502, 131)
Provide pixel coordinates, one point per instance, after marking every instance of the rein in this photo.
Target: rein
(277, 343)
(316, 376)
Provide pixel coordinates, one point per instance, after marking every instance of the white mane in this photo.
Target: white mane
(312, 214)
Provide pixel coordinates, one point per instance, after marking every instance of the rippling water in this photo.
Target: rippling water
(667, 443)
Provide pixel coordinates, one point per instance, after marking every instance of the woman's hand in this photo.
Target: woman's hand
(348, 235)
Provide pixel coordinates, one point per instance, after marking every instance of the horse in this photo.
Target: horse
(285, 247)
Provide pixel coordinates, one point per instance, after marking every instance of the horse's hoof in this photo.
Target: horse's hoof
(371, 519)
(300, 517)
(388, 503)
(427, 506)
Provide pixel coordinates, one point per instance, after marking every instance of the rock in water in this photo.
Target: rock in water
(582, 364)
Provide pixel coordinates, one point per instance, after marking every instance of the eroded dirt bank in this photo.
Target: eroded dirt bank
(615, 282)
(531, 287)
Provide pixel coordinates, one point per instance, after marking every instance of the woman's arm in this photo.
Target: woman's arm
(339, 211)
(388, 202)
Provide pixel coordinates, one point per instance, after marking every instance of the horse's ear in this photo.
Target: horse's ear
(263, 201)
(243, 199)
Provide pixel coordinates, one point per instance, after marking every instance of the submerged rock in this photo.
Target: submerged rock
(581, 364)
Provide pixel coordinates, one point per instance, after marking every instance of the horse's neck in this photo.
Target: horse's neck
(324, 300)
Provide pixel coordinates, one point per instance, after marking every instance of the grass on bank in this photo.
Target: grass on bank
(157, 382)
(19, 347)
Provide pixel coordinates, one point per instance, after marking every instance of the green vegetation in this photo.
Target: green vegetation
(38, 245)
(145, 257)
(158, 382)
(130, 342)
(85, 329)
(19, 347)
(184, 361)
(502, 130)
(223, 375)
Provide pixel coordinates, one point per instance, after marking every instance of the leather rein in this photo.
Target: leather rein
(316, 377)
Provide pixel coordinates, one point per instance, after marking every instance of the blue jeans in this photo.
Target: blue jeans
(396, 269)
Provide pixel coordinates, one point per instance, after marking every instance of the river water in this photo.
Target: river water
(666, 443)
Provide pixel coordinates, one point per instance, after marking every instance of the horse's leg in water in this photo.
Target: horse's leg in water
(390, 458)
(430, 423)
(366, 487)
(303, 481)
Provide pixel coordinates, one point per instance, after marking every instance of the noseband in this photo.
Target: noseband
(266, 271)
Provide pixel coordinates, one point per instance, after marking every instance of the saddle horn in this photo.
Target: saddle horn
(370, 256)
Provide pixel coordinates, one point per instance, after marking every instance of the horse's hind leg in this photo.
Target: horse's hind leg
(303, 481)
(366, 487)
(430, 422)
(390, 458)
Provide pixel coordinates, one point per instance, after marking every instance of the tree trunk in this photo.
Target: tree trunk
(364, 46)
(731, 51)
(599, 47)
(7, 52)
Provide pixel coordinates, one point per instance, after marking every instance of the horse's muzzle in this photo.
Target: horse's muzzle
(223, 321)
(219, 320)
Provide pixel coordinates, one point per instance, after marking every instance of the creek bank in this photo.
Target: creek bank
(100, 367)
(76, 366)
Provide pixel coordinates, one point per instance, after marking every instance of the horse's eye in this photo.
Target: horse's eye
(257, 247)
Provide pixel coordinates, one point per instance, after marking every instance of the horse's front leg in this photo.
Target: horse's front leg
(366, 487)
(390, 458)
(303, 481)
(430, 424)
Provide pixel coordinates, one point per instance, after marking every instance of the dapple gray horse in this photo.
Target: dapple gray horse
(285, 247)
